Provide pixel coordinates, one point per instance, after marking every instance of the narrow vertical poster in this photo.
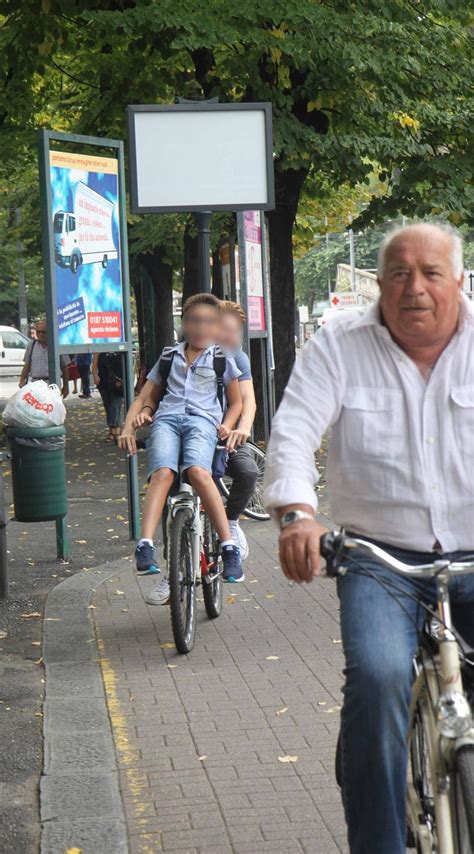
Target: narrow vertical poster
(254, 271)
(86, 232)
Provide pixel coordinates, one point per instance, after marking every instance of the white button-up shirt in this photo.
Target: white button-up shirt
(400, 465)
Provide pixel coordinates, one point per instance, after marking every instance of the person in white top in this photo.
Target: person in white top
(396, 388)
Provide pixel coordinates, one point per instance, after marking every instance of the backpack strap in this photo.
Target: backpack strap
(164, 367)
(220, 365)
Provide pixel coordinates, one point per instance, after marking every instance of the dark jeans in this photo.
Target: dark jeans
(380, 640)
(243, 470)
(112, 405)
(85, 375)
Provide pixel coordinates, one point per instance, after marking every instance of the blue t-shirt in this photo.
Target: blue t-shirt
(243, 363)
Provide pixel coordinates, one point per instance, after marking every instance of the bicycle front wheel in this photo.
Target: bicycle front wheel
(182, 581)
(463, 799)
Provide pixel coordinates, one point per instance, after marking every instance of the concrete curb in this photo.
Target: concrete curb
(81, 805)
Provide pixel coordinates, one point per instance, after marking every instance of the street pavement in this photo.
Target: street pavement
(228, 749)
(231, 748)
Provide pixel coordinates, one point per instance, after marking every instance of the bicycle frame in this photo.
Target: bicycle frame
(443, 672)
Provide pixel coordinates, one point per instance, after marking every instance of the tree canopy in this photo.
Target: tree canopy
(362, 93)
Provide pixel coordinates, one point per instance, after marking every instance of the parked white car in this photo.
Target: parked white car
(12, 351)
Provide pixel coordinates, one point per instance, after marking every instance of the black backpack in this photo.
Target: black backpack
(219, 365)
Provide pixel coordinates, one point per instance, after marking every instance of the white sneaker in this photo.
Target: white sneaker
(160, 595)
(239, 539)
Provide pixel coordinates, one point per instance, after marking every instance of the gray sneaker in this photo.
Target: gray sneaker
(160, 595)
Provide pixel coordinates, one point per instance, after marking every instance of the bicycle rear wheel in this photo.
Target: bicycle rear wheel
(462, 802)
(182, 581)
(212, 586)
(254, 509)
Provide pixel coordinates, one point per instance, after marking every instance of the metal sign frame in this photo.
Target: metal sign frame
(196, 107)
(54, 348)
(264, 335)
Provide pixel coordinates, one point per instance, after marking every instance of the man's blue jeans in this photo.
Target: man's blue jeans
(380, 639)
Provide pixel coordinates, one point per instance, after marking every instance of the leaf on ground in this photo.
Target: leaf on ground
(120, 518)
(39, 661)
(333, 710)
(125, 610)
(92, 607)
(81, 542)
(245, 600)
(335, 640)
(52, 619)
(253, 581)
(171, 666)
(33, 616)
(35, 643)
(322, 702)
(202, 758)
(269, 595)
(3, 635)
(273, 657)
(120, 592)
(282, 711)
(73, 851)
(231, 599)
(167, 645)
(287, 759)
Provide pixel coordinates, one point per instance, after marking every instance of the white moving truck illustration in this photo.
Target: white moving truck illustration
(84, 236)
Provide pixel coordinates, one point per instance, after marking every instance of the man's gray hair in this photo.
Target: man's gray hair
(456, 245)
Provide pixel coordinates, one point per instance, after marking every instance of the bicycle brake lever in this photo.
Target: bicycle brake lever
(332, 546)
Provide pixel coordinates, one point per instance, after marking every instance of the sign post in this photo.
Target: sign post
(87, 289)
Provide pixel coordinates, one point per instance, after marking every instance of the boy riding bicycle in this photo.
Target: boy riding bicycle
(187, 419)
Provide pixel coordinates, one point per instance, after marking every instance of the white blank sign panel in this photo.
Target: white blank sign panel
(206, 159)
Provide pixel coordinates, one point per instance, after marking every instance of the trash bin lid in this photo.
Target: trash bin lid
(34, 432)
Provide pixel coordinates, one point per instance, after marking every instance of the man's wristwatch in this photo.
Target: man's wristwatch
(294, 516)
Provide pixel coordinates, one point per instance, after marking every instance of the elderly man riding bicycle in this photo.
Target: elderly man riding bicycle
(396, 386)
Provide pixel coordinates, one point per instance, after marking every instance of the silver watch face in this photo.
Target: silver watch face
(289, 517)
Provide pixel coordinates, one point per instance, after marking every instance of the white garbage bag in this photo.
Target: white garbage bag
(37, 404)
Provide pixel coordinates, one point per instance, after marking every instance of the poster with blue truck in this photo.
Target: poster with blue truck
(88, 280)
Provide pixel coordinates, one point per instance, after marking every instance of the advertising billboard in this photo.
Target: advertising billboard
(86, 234)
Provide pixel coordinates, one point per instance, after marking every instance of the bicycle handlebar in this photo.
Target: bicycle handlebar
(335, 546)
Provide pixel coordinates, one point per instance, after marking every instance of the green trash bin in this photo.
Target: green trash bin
(38, 472)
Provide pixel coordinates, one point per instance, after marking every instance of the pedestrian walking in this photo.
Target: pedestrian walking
(36, 361)
(73, 373)
(83, 362)
(107, 372)
(395, 385)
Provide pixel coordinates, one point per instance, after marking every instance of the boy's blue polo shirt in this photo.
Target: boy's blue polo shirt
(193, 390)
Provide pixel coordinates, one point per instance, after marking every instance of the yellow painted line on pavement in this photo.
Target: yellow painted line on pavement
(136, 781)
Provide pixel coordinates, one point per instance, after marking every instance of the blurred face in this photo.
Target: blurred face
(230, 331)
(420, 297)
(41, 333)
(201, 326)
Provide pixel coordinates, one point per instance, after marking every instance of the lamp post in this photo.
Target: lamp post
(203, 225)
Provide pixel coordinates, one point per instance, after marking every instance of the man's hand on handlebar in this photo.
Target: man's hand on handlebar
(299, 550)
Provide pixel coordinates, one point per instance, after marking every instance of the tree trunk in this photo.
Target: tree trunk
(288, 186)
(161, 276)
(191, 270)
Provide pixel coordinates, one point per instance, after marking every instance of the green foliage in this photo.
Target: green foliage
(374, 101)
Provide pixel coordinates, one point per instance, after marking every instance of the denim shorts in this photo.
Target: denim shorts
(181, 441)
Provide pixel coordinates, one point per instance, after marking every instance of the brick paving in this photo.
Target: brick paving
(199, 737)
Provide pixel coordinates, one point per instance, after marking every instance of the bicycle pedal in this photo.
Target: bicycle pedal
(211, 576)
